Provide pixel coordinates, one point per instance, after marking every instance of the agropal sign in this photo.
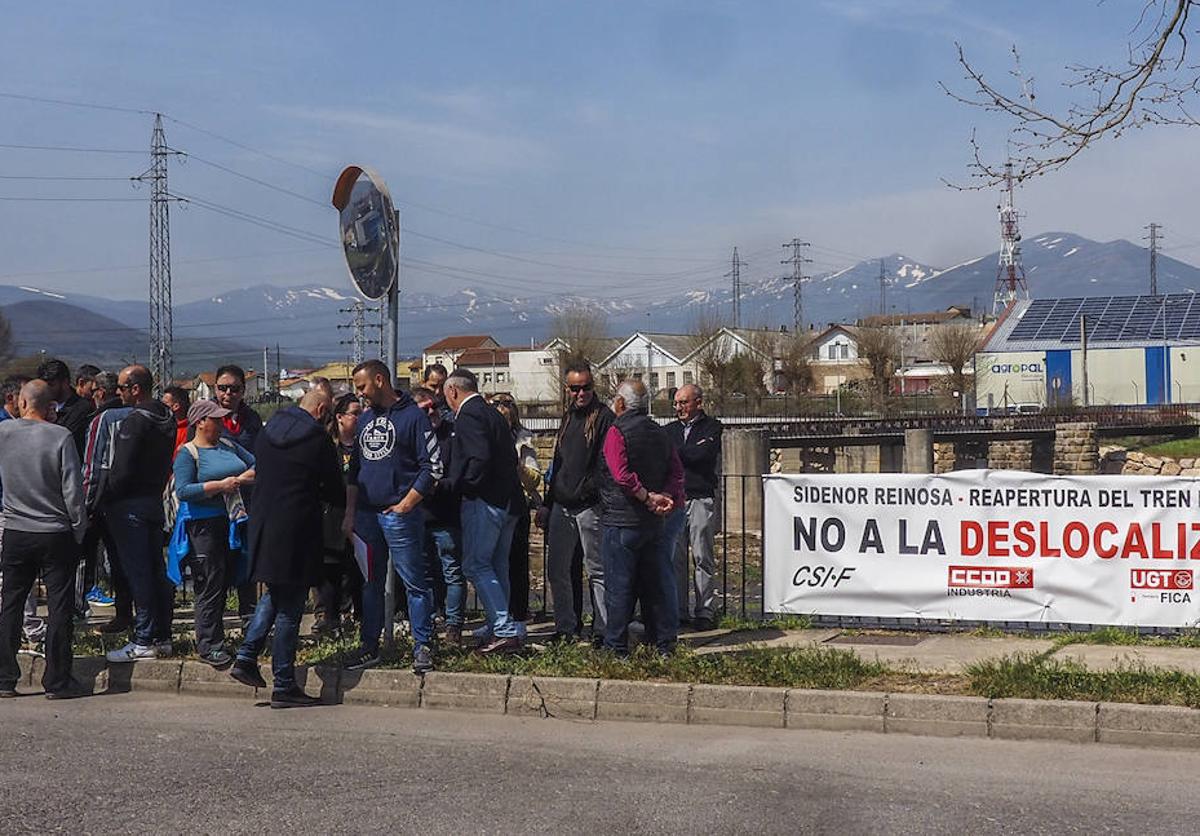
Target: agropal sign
(984, 545)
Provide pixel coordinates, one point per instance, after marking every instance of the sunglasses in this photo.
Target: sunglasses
(586, 387)
(228, 387)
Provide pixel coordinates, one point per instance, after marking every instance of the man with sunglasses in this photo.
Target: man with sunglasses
(241, 426)
(571, 507)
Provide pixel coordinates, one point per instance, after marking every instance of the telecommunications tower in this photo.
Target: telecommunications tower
(1010, 273)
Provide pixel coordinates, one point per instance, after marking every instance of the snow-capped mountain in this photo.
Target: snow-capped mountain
(304, 319)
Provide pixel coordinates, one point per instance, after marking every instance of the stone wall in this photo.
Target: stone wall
(1133, 463)
(1010, 455)
(962, 455)
(1076, 452)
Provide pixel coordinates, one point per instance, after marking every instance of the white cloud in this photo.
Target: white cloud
(432, 147)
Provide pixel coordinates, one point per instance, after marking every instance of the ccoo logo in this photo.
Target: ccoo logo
(377, 439)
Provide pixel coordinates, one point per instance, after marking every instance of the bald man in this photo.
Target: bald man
(45, 520)
(297, 468)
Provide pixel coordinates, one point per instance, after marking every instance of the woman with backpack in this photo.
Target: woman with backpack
(210, 472)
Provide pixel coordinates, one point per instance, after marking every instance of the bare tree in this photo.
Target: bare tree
(795, 369)
(1154, 85)
(879, 348)
(955, 345)
(583, 328)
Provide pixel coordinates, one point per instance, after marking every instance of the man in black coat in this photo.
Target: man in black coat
(297, 469)
(697, 437)
(483, 469)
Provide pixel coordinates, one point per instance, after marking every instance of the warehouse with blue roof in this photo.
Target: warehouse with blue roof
(1130, 350)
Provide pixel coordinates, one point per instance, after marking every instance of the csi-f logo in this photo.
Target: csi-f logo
(377, 439)
(822, 576)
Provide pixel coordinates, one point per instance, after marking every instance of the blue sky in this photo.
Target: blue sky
(643, 139)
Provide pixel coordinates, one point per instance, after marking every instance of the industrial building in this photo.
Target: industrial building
(1129, 349)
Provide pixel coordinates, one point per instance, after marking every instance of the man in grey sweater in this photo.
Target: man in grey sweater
(44, 522)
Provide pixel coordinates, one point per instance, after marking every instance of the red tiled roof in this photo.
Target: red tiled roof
(457, 343)
(484, 357)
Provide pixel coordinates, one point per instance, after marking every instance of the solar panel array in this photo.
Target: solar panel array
(1111, 319)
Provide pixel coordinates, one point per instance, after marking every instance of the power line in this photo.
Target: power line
(15, 198)
(264, 183)
(56, 178)
(71, 149)
(68, 103)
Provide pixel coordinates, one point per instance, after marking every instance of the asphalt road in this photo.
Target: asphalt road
(143, 764)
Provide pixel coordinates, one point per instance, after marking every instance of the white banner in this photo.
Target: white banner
(990, 545)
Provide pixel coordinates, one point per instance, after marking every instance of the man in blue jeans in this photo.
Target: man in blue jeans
(484, 470)
(297, 468)
(127, 461)
(641, 483)
(443, 531)
(391, 471)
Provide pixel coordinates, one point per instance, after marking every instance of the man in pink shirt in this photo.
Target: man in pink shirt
(641, 481)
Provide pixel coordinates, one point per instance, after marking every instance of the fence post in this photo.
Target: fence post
(744, 453)
(918, 451)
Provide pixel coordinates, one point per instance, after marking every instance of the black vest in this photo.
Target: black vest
(648, 451)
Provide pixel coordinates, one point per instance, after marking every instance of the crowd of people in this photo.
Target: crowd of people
(439, 484)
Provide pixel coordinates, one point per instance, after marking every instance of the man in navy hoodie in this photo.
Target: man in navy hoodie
(391, 471)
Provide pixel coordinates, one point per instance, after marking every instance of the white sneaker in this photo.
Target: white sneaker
(132, 652)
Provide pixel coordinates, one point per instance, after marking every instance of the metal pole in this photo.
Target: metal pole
(1083, 357)
(391, 342)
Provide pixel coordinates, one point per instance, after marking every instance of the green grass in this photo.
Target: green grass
(1180, 448)
(1031, 676)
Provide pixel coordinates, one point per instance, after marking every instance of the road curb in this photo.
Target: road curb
(592, 700)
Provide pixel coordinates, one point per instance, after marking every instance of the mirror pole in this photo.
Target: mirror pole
(391, 356)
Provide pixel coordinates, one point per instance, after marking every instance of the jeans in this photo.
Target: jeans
(701, 526)
(636, 568)
(282, 607)
(137, 533)
(566, 530)
(211, 562)
(402, 537)
(56, 556)
(443, 546)
(487, 538)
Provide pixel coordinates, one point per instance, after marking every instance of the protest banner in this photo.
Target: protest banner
(984, 545)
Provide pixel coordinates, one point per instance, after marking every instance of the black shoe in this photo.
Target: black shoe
(74, 690)
(701, 624)
(294, 697)
(247, 673)
(422, 659)
(218, 658)
(8, 691)
(597, 642)
(360, 660)
(563, 638)
(115, 625)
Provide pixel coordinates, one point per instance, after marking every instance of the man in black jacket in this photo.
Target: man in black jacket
(697, 437)
(126, 465)
(296, 469)
(483, 468)
(443, 513)
(74, 412)
(571, 508)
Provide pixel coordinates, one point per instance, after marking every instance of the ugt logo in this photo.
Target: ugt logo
(377, 439)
